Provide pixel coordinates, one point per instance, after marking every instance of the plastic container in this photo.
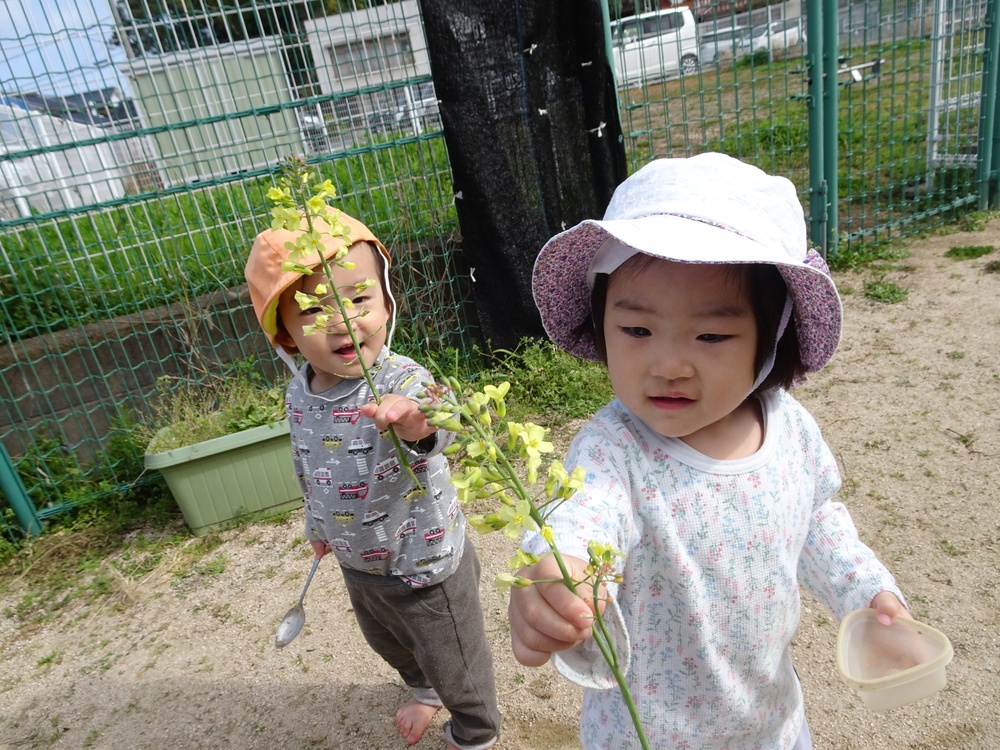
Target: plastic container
(891, 665)
(218, 481)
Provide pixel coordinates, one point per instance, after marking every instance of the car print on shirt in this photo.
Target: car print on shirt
(419, 465)
(340, 545)
(343, 516)
(433, 536)
(359, 446)
(332, 441)
(373, 517)
(418, 581)
(346, 415)
(297, 416)
(323, 478)
(385, 468)
(380, 553)
(407, 528)
(444, 554)
(353, 490)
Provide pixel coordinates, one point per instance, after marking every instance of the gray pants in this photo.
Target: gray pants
(435, 638)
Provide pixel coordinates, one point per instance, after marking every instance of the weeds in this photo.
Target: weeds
(950, 549)
(886, 292)
(550, 382)
(968, 252)
(187, 413)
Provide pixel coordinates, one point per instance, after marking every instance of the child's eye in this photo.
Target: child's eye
(712, 338)
(359, 300)
(312, 311)
(635, 331)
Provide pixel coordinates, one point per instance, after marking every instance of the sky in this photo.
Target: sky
(58, 47)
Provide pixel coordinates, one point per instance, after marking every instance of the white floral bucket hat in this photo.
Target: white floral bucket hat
(709, 208)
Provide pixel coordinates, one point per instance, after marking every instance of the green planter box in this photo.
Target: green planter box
(219, 480)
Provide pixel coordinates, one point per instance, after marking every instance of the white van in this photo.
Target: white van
(654, 45)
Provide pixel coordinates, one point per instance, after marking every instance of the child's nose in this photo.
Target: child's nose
(671, 364)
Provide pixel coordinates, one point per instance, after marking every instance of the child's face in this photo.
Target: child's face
(331, 353)
(681, 340)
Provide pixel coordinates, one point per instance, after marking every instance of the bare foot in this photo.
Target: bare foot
(412, 719)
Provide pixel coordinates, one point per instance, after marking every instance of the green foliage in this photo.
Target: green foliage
(885, 291)
(867, 254)
(967, 252)
(187, 413)
(547, 381)
(55, 477)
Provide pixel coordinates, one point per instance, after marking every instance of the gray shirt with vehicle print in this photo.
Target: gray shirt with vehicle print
(359, 499)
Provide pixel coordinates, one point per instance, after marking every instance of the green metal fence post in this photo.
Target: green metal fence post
(814, 68)
(12, 488)
(988, 147)
(831, 96)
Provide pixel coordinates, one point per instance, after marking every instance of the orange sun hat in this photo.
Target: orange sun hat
(267, 280)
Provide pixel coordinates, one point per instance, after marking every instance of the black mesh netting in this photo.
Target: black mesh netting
(530, 118)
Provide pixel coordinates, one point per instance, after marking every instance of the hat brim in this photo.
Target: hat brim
(563, 295)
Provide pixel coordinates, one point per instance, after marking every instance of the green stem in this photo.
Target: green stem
(502, 465)
(603, 640)
(607, 651)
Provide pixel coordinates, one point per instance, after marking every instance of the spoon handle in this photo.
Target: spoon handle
(312, 571)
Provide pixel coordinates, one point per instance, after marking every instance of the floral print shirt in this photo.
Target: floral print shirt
(714, 555)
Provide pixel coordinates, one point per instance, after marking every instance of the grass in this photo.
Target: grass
(188, 413)
(886, 292)
(548, 385)
(969, 252)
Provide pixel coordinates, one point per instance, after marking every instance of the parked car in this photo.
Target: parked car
(722, 43)
(775, 35)
(652, 46)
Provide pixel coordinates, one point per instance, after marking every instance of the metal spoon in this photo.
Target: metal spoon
(295, 618)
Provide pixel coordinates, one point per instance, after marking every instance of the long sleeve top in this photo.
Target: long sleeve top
(714, 555)
(358, 497)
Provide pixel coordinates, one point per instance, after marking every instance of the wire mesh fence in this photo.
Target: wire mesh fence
(912, 93)
(127, 203)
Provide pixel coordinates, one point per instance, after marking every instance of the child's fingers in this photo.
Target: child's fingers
(390, 411)
(888, 607)
(536, 630)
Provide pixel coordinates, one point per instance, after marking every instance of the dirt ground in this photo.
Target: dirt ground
(910, 408)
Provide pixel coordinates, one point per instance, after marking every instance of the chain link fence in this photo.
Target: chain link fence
(127, 204)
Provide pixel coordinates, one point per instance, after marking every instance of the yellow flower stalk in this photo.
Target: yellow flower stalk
(494, 457)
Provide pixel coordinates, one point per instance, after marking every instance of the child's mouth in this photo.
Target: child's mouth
(347, 352)
(671, 402)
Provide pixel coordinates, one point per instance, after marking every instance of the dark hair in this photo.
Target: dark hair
(766, 290)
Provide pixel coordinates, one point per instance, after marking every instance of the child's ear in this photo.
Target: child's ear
(283, 339)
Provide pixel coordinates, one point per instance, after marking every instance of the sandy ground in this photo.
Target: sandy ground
(910, 408)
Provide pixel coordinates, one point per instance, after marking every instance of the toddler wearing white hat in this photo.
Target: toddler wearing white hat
(699, 293)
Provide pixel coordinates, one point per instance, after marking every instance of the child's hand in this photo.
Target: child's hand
(888, 607)
(403, 414)
(548, 617)
(319, 548)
